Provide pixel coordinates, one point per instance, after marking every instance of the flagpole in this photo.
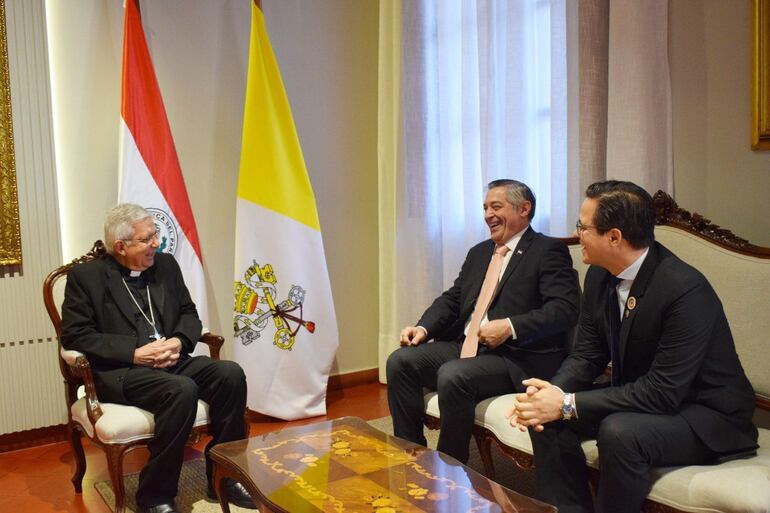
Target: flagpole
(285, 346)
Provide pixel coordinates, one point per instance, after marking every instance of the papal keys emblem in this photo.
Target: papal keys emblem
(256, 306)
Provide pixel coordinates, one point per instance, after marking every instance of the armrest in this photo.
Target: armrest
(70, 356)
(214, 342)
(79, 366)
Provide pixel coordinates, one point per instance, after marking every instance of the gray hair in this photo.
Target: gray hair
(516, 193)
(120, 221)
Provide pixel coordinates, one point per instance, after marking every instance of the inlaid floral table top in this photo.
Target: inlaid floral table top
(346, 466)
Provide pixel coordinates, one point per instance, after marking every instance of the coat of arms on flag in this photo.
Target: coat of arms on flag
(257, 306)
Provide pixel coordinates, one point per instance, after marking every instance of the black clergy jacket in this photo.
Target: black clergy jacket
(100, 319)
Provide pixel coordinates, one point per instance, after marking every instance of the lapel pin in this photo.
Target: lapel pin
(631, 303)
(519, 251)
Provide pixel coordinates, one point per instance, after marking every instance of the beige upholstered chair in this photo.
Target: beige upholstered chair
(740, 274)
(116, 428)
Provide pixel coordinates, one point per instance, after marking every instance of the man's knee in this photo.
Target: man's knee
(617, 434)
(451, 377)
(231, 375)
(183, 392)
(398, 361)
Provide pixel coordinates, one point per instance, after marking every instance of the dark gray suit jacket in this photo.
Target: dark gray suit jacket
(100, 320)
(677, 355)
(539, 293)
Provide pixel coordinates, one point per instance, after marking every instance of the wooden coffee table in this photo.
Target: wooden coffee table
(345, 465)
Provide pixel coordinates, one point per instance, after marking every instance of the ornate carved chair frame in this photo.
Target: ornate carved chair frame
(76, 372)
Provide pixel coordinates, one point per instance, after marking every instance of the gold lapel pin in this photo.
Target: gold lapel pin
(631, 303)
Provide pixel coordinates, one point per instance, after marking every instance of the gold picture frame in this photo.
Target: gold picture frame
(760, 75)
(10, 229)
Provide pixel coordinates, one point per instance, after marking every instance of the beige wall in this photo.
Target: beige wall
(715, 171)
(328, 55)
(327, 51)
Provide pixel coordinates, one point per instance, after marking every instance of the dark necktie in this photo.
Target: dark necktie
(613, 321)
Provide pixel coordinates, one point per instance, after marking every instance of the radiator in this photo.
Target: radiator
(32, 394)
(31, 389)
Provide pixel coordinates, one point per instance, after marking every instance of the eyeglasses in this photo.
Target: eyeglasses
(145, 241)
(581, 228)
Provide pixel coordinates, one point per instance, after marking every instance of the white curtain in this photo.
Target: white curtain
(469, 91)
(625, 93)
(639, 119)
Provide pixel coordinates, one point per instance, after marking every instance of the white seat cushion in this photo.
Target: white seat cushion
(431, 403)
(490, 414)
(121, 424)
(739, 485)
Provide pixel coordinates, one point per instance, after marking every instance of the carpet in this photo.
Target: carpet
(192, 483)
(192, 491)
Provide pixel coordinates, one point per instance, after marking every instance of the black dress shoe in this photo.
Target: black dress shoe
(160, 508)
(236, 493)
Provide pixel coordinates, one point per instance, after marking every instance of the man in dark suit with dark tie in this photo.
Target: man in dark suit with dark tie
(530, 297)
(130, 313)
(678, 394)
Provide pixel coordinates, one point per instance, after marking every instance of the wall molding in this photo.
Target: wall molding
(33, 437)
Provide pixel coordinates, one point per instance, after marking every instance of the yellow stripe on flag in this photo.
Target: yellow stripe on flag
(272, 172)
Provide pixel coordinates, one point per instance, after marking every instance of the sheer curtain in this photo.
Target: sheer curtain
(469, 91)
(625, 93)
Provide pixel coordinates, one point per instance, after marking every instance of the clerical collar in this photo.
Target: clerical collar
(125, 271)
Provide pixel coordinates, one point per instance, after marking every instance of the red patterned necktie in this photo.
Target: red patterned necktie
(471, 343)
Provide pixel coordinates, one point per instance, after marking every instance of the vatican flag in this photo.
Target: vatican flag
(284, 322)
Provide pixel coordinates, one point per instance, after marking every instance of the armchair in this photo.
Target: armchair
(115, 428)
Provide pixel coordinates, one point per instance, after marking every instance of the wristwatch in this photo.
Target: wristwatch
(568, 407)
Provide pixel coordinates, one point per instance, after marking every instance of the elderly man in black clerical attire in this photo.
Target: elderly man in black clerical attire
(131, 314)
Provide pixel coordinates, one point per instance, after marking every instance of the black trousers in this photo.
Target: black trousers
(460, 383)
(629, 444)
(172, 397)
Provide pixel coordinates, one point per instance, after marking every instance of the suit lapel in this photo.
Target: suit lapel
(158, 299)
(636, 296)
(516, 258)
(481, 270)
(477, 280)
(604, 308)
(119, 294)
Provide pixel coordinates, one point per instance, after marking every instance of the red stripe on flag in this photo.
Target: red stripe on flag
(145, 116)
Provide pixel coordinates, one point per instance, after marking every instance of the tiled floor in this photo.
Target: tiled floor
(38, 479)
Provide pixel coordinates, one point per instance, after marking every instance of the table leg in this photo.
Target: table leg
(220, 490)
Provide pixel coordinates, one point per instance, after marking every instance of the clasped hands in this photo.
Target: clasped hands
(540, 404)
(160, 354)
(491, 334)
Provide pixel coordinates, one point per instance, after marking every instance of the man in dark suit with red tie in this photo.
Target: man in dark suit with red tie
(678, 394)
(509, 313)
